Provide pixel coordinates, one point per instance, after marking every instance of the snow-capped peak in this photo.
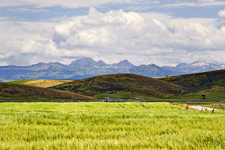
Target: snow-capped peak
(199, 63)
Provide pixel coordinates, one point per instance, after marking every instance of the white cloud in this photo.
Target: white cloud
(140, 35)
(65, 3)
(20, 42)
(201, 3)
(221, 14)
(221, 24)
(156, 2)
(205, 1)
(113, 36)
(23, 10)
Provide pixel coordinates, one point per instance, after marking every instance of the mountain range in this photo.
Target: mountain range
(87, 67)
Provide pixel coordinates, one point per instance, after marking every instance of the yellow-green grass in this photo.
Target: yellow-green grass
(197, 97)
(41, 82)
(47, 83)
(108, 126)
(22, 81)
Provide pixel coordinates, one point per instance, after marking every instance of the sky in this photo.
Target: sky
(163, 32)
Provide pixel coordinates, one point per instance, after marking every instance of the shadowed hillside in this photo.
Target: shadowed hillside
(122, 83)
(213, 81)
(11, 90)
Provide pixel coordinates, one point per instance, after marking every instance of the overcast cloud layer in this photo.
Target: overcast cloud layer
(142, 37)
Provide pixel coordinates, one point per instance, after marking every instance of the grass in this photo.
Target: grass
(47, 83)
(197, 97)
(108, 126)
(122, 84)
(22, 81)
(122, 95)
(41, 82)
(14, 91)
(199, 81)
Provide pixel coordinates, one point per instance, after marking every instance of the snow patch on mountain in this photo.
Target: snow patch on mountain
(199, 63)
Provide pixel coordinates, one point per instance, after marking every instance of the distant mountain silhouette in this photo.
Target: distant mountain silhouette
(88, 67)
(195, 67)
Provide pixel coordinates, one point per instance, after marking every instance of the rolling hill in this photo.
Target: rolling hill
(41, 83)
(15, 91)
(122, 84)
(213, 81)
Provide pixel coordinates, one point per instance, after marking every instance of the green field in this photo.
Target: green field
(22, 81)
(213, 97)
(108, 126)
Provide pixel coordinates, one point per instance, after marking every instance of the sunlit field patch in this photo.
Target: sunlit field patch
(108, 126)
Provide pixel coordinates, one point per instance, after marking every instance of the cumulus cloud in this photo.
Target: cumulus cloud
(141, 38)
(20, 42)
(143, 35)
(221, 14)
(221, 24)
